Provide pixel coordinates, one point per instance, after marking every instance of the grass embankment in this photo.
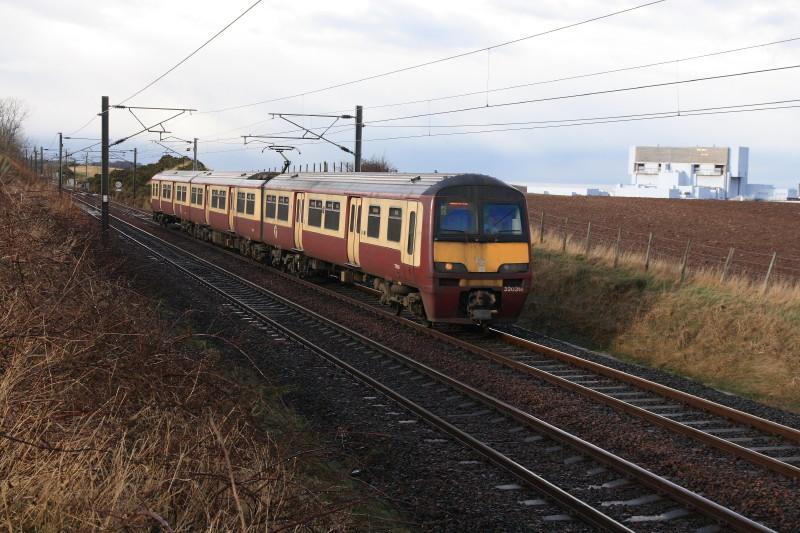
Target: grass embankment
(114, 418)
(728, 335)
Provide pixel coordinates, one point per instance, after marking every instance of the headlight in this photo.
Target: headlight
(449, 268)
(513, 268)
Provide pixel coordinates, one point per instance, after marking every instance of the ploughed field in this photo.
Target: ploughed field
(754, 229)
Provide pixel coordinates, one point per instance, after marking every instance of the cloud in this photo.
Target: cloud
(60, 57)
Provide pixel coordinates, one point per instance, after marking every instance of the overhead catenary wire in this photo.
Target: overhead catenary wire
(670, 112)
(541, 82)
(643, 117)
(585, 75)
(185, 59)
(440, 60)
(584, 94)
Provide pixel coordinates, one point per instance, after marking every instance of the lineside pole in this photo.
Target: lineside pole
(359, 127)
(104, 163)
(541, 229)
(194, 162)
(60, 162)
(769, 272)
(685, 261)
(727, 265)
(134, 176)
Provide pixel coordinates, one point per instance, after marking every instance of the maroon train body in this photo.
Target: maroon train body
(449, 248)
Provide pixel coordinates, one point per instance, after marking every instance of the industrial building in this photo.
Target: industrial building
(706, 173)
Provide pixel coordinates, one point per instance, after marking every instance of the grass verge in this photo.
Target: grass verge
(110, 420)
(727, 335)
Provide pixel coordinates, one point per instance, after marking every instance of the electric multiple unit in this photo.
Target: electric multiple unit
(447, 247)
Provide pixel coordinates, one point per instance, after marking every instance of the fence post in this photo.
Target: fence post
(769, 271)
(616, 247)
(541, 229)
(564, 236)
(647, 253)
(685, 260)
(727, 265)
(588, 238)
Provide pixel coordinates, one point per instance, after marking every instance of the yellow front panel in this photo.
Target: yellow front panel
(481, 256)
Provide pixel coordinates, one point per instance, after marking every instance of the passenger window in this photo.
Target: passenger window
(332, 211)
(283, 208)
(240, 202)
(250, 204)
(271, 206)
(315, 213)
(199, 196)
(412, 226)
(395, 224)
(374, 222)
(222, 199)
(218, 199)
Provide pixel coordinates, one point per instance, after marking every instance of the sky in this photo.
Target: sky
(59, 58)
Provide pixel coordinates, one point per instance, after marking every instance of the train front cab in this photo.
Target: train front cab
(481, 254)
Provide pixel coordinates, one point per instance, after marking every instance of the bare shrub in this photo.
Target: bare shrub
(112, 418)
(377, 164)
(12, 115)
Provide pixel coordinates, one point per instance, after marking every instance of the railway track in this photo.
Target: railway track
(760, 441)
(594, 485)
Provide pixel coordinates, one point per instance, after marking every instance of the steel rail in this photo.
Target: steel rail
(729, 413)
(708, 406)
(581, 509)
(768, 426)
(707, 507)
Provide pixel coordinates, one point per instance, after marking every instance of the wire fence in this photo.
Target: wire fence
(650, 250)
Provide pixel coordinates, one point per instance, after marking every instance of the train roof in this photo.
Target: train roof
(221, 178)
(405, 184)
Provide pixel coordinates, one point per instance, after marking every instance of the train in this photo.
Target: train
(448, 248)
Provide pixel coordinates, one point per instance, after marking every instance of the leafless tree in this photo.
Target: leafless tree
(377, 164)
(12, 115)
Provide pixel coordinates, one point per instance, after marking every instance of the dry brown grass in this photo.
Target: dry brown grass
(731, 335)
(779, 289)
(109, 420)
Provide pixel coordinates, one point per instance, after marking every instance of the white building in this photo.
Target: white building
(674, 172)
(679, 172)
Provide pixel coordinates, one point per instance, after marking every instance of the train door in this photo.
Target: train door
(231, 207)
(354, 232)
(410, 245)
(299, 219)
(206, 202)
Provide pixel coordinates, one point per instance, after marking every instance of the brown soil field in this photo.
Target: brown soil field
(754, 229)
